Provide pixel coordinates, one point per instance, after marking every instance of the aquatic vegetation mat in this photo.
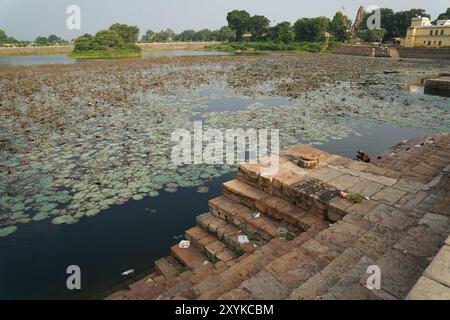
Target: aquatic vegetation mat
(77, 139)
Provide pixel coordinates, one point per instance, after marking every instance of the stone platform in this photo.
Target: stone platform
(438, 86)
(305, 241)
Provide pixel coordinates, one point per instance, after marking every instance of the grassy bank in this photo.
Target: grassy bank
(272, 46)
(106, 54)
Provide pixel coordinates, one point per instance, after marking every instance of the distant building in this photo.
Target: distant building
(423, 33)
(359, 19)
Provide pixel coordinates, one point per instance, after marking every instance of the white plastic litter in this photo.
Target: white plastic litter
(242, 238)
(282, 230)
(184, 244)
(205, 262)
(256, 215)
(128, 272)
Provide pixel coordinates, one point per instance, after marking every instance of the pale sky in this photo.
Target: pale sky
(27, 19)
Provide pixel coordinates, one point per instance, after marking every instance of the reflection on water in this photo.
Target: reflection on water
(373, 138)
(61, 58)
(416, 88)
(30, 60)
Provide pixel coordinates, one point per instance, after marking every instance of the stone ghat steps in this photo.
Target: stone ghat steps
(227, 233)
(399, 226)
(262, 228)
(228, 279)
(272, 206)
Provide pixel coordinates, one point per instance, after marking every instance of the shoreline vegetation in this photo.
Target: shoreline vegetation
(268, 46)
(117, 42)
(120, 53)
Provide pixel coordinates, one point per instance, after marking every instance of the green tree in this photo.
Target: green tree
(3, 37)
(148, 36)
(445, 15)
(282, 32)
(388, 23)
(129, 34)
(41, 41)
(164, 36)
(225, 34)
(186, 35)
(105, 39)
(203, 35)
(258, 26)
(373, 35)
(340, 26)
(88, 36)
(239, 21)
(403, 20)
(83, 43)
(53, 39)
(307, 29)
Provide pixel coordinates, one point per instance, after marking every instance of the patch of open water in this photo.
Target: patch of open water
(62, 58)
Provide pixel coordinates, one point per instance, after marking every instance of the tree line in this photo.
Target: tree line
(223, 34)
(242, 25)
(395, 24)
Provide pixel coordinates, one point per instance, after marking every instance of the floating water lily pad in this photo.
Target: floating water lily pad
(203, 189)
(153, 194)
(40, 216)
(63, 219)
(6, 231)
(170, 190)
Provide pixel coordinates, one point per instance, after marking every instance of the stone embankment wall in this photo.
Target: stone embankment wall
(414, 53)
(368, 51)
(425, 53)
(439, 86)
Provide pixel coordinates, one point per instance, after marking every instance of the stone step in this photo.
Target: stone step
(272, 206)
(166, 267)
(263, 227)
(210, 245)
(324, 255)
(227, 233)
(150, 287)
(219, 286)
(190, 257)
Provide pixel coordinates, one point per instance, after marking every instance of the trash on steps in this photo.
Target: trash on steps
(128, 272)
(282, 230)
(256, 215)
(242, 238)
(184, 244)
(343, 195)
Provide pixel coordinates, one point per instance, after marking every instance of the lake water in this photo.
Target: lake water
(35, 258)
(30, 60)
(61, 58)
